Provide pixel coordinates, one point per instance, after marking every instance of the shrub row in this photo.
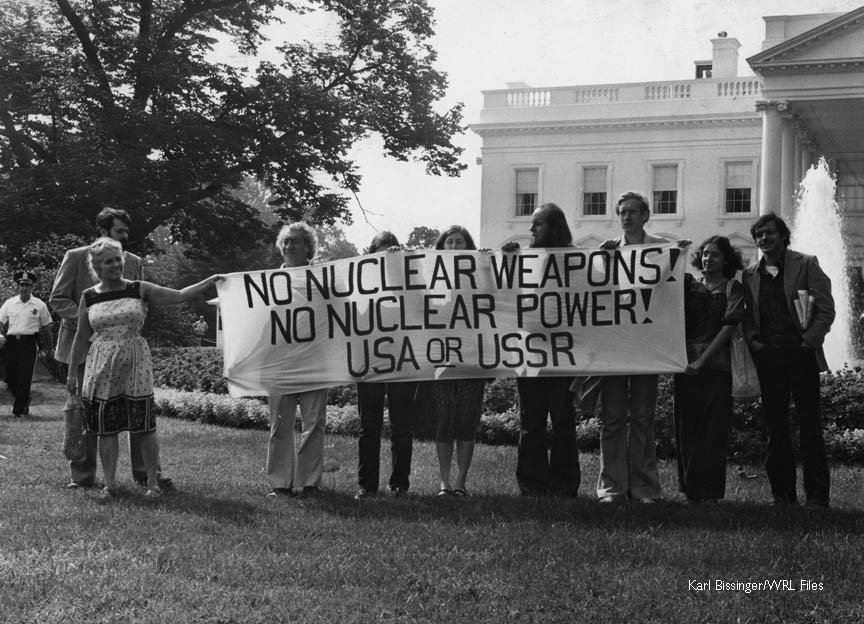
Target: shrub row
(843, 445)
(201, 369)
(190, 369)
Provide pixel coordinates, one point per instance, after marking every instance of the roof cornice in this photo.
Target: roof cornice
(772, 59)
(484, 129)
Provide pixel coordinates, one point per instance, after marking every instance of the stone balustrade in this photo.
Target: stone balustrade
(702, 89)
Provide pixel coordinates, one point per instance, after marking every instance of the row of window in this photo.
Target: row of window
(665, 184)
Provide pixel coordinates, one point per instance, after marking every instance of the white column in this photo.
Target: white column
(796, 161)
(806, 157)
(787, 167)
(769, 180)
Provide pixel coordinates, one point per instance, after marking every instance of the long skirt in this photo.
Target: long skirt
(702, 415)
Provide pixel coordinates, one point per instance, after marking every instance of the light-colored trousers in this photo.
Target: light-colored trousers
(288, 466)
(628, 454)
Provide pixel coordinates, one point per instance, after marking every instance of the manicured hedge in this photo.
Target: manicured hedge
(200, 369)
(844, 445)
(189, 368)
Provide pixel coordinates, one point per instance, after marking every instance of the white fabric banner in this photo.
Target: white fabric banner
(454, 314)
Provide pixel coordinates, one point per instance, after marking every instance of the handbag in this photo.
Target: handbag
(74, 438)
(745, 380)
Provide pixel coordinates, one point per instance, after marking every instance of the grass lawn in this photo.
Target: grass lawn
(217, 550)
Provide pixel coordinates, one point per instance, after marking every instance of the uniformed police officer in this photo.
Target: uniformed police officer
(22, 320)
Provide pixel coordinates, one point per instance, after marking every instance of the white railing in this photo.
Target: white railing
(669, 91)
(593, 95)
(739, 88)
(531, 97)
(701, 89)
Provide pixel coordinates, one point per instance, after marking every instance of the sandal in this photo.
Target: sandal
(460, 492)
(444, 492)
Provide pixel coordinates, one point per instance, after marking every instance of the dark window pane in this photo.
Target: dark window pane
(738, 200)
(665, 202)
(594, 204)
(526, 203)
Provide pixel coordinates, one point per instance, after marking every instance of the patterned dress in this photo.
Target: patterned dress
(458, 404)
(118, 377)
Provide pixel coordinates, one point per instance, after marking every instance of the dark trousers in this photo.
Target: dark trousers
(539, 471)
(786, 372)
(401, 404)
(702, 415)
(20, 363)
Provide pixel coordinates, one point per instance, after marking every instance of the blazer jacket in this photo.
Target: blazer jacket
(800, 272)
(72, 279)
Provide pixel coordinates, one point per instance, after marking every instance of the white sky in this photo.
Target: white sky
(483, 44)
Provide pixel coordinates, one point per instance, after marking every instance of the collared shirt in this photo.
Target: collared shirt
(775, 319)
(24, 317)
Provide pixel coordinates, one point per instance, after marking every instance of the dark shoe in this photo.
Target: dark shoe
(74, 485)
(399, 491)
(460, 493)
(311, 490)
(534, 493)
(816, 505)
(278, 492)
(444, 492)
(363, 494)
(165, 483)
(779, 501)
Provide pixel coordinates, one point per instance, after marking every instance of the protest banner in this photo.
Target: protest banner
(454, 314)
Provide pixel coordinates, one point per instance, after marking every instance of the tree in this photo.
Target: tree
(332, 244)
(121, 102)
(423, 237)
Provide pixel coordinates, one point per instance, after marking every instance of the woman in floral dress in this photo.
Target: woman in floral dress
(117, 385)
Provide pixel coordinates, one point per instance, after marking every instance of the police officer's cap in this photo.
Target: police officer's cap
(24, 277)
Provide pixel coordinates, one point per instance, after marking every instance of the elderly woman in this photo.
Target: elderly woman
(401, 408)
(117, 382)
(289, 467)
(457, 402)
(713, 306)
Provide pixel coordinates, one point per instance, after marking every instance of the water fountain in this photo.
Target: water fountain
(818, 231)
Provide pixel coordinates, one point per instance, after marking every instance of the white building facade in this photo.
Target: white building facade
(710, 153)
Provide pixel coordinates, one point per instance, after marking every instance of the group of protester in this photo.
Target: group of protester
(102, 300)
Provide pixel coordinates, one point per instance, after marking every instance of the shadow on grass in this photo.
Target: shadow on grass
(587, 512)
(224, 510)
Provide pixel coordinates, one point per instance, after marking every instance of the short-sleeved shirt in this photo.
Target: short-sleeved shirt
(706, 312)
(24, 317)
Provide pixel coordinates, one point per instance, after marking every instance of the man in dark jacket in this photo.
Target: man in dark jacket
(789, 312)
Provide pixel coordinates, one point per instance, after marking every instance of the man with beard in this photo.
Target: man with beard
(73, 278)
(789, 310)
(539, 472)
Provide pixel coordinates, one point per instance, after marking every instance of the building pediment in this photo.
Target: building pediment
(835, 46)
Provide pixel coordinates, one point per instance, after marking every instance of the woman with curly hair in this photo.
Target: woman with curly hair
(457, 403)
(713, 306)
